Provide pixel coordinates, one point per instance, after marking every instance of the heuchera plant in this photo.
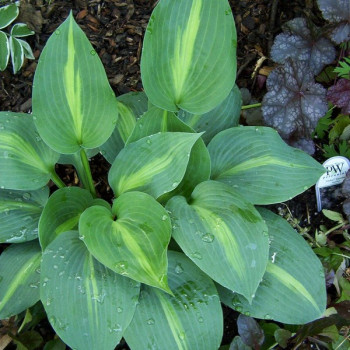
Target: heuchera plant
(303, 50)
(105, 271)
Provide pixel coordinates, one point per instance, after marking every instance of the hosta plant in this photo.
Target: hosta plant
(183, 232)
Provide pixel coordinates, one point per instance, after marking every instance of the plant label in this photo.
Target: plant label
(329, 185)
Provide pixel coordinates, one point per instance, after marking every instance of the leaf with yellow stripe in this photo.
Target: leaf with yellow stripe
(88, 305)
(19, 278)
(189, 55)
(19, 214)
(293, 289)
(131, 239)
(223, 234)
(26, 162)
(73, 103)
(189, 320)
(157, 120)
(62, 212)
(259, 165)
(155, 164)
(130, 107)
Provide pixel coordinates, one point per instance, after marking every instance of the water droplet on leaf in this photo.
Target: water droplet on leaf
(150, 321)
(208, 238)
(179, 269)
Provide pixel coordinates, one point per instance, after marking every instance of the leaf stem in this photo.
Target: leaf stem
(56, 179)
(255, 105)
(87, 169)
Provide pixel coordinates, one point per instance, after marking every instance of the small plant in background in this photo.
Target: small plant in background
(11, 44)
(294, 103)
(186, 229)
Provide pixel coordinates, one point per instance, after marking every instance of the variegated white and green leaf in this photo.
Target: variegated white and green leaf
(223, 116)
(155, 164)
(5, 51)
(17, 54)
(20, 30)
(19, 214)
(293, 289)
(73, 103)
(191, 319)
(8, 14)
(259, 165)
(23, 153)
(19, 278)
(62, 212)
(189, 55)
(223, 234)
(131, 239)
(88, 305)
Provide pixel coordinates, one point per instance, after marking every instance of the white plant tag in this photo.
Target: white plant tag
(329, 183)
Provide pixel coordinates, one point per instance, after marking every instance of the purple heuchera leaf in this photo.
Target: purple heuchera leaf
(298, 42)
(337, 11)
(339, 95)
(306, 145)
(294, 102)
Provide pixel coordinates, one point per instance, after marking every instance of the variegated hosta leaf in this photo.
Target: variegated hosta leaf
(189, 59)
(19, 278)
(88, 305)
(5, 51)
(293, 288)
(155, 164)
(73, 104)
(131, 239)
(157, 120)
(62, 212)
(19, 214)
(260, 166)
(223, 116)
(223, 234)
(26, 162)
(191, 319)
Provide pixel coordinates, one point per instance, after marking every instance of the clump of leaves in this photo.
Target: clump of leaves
(303, 41)
(294, 102)
(339, 95)
(105, 270)
(338, 13)
(10, 43)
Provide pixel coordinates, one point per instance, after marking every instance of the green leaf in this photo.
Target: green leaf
(20, 30)
(28, 53)
(8, 14)
(62, 212)
(293, 288)
(5, 51)
(131, 239)
(19, 214)
(131, 106)
(23, 154)
(55, 344)
(157, 120)
(155, 164)
(17, 54)
(260, 166)
(237, 344)
(191, 319)
(88, 305)
(223, 234)
(73, 103)
(223, 116)
(19, 278)
(189, 60)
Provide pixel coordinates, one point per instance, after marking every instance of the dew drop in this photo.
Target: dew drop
(93, 52)
(119, 310)
(2, 187)
(150, 321)
(149, 142)
(121, 267)
(196, 255)
(179, 269)
(182, 335)
(26, 196)
(246, 313)
(267, 317)
(57, 32)
(200, 319)
(164, 217)
(208, 238)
